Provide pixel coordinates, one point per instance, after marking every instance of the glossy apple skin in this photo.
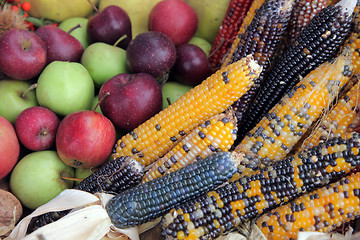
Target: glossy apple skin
(133, 99)
(36, 128)
(60, 45)
(173, 91)
(22, 54)
(109, 26)
(151, 52)
(191, 66)
(9, 147)
(79, 33)
(176, 19)
(85, 139)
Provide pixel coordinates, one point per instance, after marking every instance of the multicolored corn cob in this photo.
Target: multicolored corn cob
(155, 137)
(115, 176)
(228, 29)
(319, 41)
(322, 210)
(261, 39)
(276, 134)
(153, 199)
(303, 12)
(215, 134)
(216, 212)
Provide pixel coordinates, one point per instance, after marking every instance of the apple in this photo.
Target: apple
(85, 139)
(60, 45)
(176, 19)
(22, 54)
(132, 99)
(37, 178)
(104, 61)
(95, 106)
(151, 52)
(15, 96)
(110, 25)
(36, 128)
(77, 27)
(172, 91)
(9, 147)
(202, 43)
(65, 87)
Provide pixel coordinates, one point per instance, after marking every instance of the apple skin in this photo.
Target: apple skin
(133, 99)
(202, 43)
(173, 91)
(65, 87)
(36, 178)
(176, 19)
(22, 54)
(104, 61)
(79, 33)
(11, 98)
(85, 139)
(9, 147)
(36, 128)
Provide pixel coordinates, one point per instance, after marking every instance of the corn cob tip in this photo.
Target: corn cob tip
(237, 157)
(348, 6)
(287, 5)
(254, 66)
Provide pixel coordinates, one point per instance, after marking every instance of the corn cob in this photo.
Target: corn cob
(321, 210)
(152, 199)
(218, 211)
(256, 4)
(216, 134)
(261, 39)
(303, 12)
(158, 135)
(332, 2)
(115, 176)
(318, 42)
(228, 29)
(276, 134)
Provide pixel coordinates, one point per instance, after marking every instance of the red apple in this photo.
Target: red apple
(36, 128)
(132, 99)
(176, 19)
(85, 139)
(22, 54)
(9, 147)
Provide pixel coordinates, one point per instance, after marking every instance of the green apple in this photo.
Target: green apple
(202, 43)
(15, 96)
(211, 14)
(95, 105)
(65, 87)
(79, 33)
(37, 178)
(138, 11)
(103, 61)
(173, 91)
(59, 10)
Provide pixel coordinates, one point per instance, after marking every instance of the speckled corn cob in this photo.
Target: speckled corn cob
(261, 39)
(159, 134)
(319, 41)
(153, 199)
(322, 210)
(228, 29)
(276, 134)
(218, 211)
(216, 134)
(303, 12)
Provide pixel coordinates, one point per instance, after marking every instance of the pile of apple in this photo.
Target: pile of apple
(70, 91)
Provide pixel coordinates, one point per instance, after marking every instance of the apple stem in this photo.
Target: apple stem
(28, 90)
(168, 100)
(120, 39)
(76, 27)
(93, 6)
(72, 179)
(100, 100)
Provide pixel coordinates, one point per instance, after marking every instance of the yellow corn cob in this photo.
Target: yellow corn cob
(156, 136)
(277, 132)
(217, 133)
(246, 22)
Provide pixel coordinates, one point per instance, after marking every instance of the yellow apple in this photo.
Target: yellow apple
(138, 11)
(59, 10)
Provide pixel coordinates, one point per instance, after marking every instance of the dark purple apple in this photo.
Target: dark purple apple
(151, 52)
(191, 66)
(60, 45)
(109, 26)
(132, 99)
(22, 54)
